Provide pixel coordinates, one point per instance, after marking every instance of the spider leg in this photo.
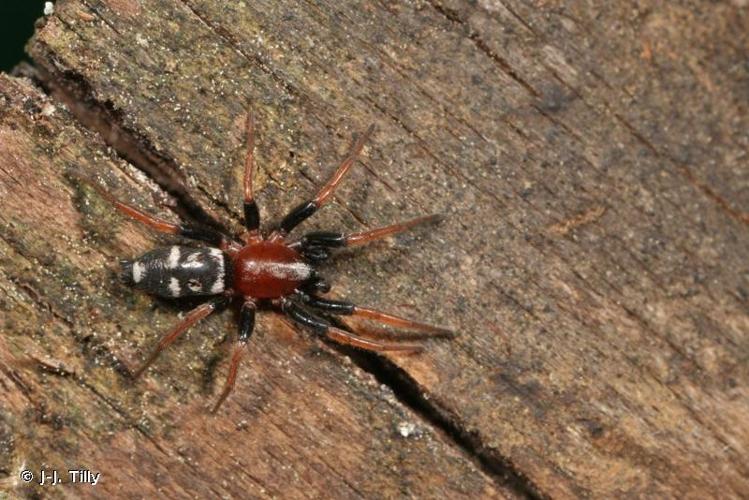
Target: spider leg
(251, 212)
(192, 317)
(315, 284)
(349, 309)
(347, 338)
(187, 230)
(318, 325)
(246, 327)
(306, 209)
(315, 244)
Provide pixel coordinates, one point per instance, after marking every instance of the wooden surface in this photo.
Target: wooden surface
(304, 420)
(592, 162)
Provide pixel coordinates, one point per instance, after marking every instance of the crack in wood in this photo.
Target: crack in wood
(453, 16)
(613, 279)
(411, 395)
(72, 89)
(96, 116)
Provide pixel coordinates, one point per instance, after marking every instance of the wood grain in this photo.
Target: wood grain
(592, 164)
(304, 421)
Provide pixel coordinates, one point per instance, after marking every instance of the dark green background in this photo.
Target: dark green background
(16, 27)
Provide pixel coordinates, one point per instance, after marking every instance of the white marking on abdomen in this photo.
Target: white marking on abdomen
(218, 285)
(139, 270)
(193, 261)
(174, 287)
(173, 260)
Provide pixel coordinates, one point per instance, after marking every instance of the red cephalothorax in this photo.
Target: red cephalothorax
(269, 270)
(253, 270)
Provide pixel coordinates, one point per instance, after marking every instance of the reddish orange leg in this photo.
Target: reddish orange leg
(306, 209)
(246, 326)
(327, 190)
(251, 212)
(364, 237)
(236, 357)
(398, 322)
(192, 317)
(344, 337)
(188, 231)
(306, 318)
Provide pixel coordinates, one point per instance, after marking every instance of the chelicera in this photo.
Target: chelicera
(261, 270)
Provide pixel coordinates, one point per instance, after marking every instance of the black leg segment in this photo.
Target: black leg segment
(347, 308)
(308, 319)
(202, 233)
(251, 212)
(191, 231)
(316, 255)
(246, 326)
(325, 239)
(296, 216)
(251, 216)
(306, 209)
(329, 306)
(246, 321)
(315, 284)
(303, 317)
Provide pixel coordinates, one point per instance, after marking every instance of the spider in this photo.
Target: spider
(257, 269)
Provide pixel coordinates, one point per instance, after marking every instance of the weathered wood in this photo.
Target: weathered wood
(304, 422)
(593, 165)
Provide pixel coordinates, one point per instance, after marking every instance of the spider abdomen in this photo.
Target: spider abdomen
(179, 271)
(268, 270)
